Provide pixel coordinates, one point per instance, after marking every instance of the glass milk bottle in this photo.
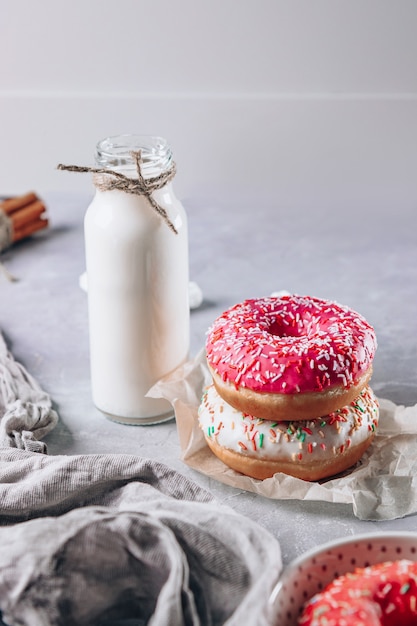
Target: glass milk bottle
(137, 273)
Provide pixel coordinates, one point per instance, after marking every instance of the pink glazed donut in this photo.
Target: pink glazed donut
(290, 357)
(379, 595)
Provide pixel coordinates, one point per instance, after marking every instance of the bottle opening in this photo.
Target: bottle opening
(113, 153)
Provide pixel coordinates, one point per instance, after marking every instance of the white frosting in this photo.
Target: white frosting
(304, 441)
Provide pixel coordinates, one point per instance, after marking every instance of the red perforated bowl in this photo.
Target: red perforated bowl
(311, 572)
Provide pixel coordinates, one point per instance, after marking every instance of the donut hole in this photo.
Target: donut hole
(280, 329)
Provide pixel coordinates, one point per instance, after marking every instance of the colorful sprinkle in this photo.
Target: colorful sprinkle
(250, 345)
(303, 442)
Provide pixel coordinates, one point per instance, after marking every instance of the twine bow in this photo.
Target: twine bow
(107, 180)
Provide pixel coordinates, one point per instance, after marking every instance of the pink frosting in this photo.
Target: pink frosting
(290, 344)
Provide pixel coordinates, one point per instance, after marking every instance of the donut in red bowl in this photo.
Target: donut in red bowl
(373, 576)
(384, 594)
(290, 357)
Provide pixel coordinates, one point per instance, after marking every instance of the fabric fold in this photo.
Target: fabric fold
(115, 537)
(26, 413)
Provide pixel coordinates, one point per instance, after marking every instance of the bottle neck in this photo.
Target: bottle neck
(114, 153)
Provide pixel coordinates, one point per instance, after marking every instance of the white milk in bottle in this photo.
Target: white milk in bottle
(136, 246)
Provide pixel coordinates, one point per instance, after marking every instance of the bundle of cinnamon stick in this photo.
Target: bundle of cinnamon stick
(26, 214)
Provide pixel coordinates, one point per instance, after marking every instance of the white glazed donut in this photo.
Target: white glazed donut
(310, 449)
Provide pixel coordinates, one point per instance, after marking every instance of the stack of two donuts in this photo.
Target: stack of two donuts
(290, 390)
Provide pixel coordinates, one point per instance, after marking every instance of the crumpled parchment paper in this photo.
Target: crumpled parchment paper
(382, 486)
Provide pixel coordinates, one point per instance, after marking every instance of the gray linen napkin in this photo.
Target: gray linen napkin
(112, 539)
(25, 409)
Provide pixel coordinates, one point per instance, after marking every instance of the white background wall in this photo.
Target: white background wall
(312, 100)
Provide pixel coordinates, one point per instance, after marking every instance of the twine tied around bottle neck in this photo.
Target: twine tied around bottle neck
(107, 180)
